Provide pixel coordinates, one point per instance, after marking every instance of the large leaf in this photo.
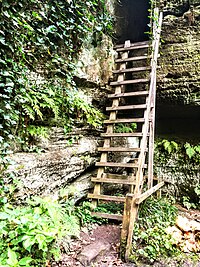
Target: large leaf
(25, 261)
(12, 258)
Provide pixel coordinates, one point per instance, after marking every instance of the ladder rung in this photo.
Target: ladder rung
(120, 176)
(113, 181)
(108, 175)
(129, 82)
(132, 47)
(143, 106)
(108, 216)
(119, 149)
(121, 134)
(132, 44)
(106, 197)
(118, 164)
(138, 93)
(124, 120)
(131, 59)
(131, 70)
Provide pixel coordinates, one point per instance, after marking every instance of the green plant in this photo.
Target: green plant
(84, 211)
(47, 36)
(30, 234)
(125, 128)
(169, 146)
(192, 151)
(187, 203)
(150, 240)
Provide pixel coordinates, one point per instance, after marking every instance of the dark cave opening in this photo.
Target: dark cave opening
(132, 20)
(178, 121)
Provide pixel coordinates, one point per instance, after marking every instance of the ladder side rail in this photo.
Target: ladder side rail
(141, 160)
(110, 128)
(128, 222)
(156, 41)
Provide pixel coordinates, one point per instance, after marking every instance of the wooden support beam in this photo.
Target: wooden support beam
(107, 216)
(129, 217)
(149, 192)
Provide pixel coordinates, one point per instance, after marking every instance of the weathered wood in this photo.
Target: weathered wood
(113, 181)
(118, 176)
(133, 48)
(104, 156)
(151, 148)
(124, 120)
(106, 197)
(108, 216)
(128, 107)
(157, 31)
(118, 164)
(129, 217)
(136, 180)
(132, 44)
(131, 59)
(137, 69)
(125, 223)
(119, 149)
(145, 129)
(129, 82)
(132, 219)
(138, 93)
(122, 134)
(149, 192)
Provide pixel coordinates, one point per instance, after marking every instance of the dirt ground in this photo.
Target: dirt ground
(109, 234)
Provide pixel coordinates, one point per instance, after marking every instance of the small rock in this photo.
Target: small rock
(90, 252)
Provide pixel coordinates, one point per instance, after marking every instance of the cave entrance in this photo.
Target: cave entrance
(178, 121)
(132, 20)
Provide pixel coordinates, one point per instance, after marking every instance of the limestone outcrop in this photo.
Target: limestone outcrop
(63, 161)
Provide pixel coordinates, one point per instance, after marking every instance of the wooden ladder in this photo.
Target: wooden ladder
(133, 104)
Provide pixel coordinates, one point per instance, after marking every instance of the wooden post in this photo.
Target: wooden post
(125, 223)
(129, 217)
(133, 216)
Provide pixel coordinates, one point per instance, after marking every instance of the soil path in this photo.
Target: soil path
(108, 236)
(102, 233)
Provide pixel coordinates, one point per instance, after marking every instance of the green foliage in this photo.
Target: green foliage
(125, 128)
(187, 203)
(192, 151)
(185, 158)
(45, 36)
(30, 234)
(84, 211)
(150, 240)
(169, 146)
(183, 152)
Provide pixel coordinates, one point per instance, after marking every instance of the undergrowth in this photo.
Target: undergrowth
(30, 234)
(150, 240)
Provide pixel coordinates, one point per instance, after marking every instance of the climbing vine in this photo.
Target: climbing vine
(40, 41)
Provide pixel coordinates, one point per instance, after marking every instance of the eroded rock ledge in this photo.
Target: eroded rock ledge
(59, 166)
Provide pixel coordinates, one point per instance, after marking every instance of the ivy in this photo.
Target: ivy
(40, 42)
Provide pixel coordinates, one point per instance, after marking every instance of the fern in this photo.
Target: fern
(29, 111)
(38, 131)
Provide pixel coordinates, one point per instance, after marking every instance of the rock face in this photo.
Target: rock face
(59, 166)
(178, 89)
